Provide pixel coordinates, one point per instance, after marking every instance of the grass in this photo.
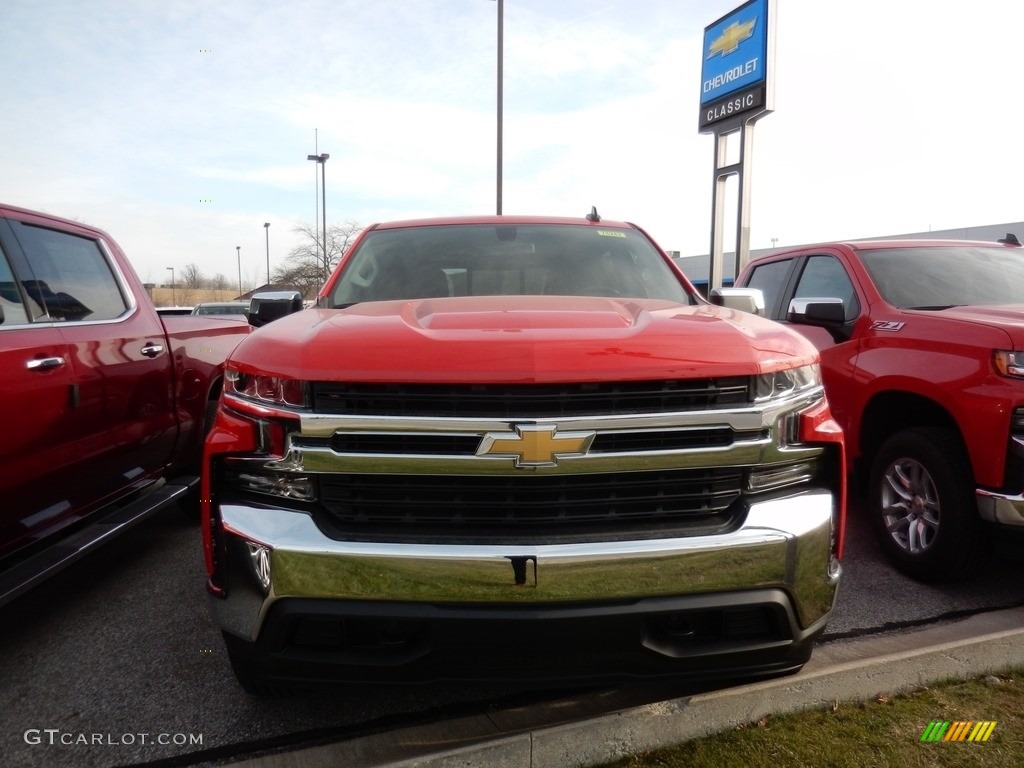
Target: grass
(883, 732)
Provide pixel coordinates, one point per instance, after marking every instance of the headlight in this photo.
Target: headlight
(786, 383)
(273, 390)
(1008, 363)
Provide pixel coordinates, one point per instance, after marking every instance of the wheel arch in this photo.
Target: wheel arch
(893, 411)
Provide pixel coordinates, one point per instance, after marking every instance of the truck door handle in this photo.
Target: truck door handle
(44, 363)
(152, 350)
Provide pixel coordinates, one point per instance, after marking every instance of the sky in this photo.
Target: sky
(182, 126)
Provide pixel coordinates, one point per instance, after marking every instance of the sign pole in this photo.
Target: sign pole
(736, 90)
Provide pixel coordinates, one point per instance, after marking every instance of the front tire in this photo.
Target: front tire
(922, 507)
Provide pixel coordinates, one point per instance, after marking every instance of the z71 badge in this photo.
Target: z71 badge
(886, 325)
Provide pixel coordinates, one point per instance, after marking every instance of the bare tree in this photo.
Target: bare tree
(304, 266)
(192, 276)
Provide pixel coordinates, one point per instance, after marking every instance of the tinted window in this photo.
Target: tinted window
(72, 277)
(933, 277)
(770, 279)
(825, 276)
(505, 260)
(221, 309)
(12, 299)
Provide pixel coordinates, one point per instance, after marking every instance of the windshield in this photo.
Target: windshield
(505, 260)
(947, 276)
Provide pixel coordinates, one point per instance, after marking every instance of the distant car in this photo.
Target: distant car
(174, 310)
(222, 308)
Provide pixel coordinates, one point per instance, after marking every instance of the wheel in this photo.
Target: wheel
(921, 503)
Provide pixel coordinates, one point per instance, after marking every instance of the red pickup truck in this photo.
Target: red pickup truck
(922, 348)
(105, 403)
(519, 448)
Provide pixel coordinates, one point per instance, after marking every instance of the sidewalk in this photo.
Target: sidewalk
(606, 727)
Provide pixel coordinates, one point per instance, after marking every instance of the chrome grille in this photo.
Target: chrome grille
(617, 441)
(529, 400)
(521, 500)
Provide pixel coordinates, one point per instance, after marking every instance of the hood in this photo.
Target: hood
(508, 339)
(1004, 315)
(1003, 322)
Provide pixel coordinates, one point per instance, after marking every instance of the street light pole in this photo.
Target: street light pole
(266, 227)
(501, 79)
(238, 250)
(174, 301)
(322, 159)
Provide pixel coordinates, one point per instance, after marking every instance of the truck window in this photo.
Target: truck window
(825, 276)
(770, 279)
(488, 260)
(10, 297)
(72, 278)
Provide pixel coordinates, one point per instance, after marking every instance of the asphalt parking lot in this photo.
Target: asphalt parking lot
(122, 643)
(564, 733)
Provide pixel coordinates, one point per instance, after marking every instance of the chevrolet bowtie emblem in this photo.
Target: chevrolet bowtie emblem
(535, 445)
(731, 38)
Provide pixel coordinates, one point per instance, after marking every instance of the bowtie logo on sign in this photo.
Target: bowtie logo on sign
(731, 38)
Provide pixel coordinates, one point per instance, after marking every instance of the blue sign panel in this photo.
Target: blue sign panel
(735, 52)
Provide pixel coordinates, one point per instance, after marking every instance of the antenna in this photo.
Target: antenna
(1010, 239)
(593, 215)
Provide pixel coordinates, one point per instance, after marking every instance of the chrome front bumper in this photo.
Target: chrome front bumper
(274, 554)
(1000, 508)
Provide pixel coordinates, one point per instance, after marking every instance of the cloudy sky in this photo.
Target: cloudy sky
(181, 126)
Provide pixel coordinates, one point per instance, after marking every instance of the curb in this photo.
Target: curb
(590, 733)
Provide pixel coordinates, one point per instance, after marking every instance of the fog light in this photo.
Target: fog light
(278, 484)
(834, 567)
(766, 478)
(259, 555)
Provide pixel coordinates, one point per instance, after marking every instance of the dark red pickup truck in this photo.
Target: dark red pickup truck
(105, 403)
(922, 350)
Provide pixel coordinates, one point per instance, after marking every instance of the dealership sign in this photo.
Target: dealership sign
(734, 73)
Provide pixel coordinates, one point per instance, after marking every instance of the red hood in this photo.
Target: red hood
(1002, 319)
(519, 339)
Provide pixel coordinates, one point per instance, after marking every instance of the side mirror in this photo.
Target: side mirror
(817, 311)
(743, 299)
(271, 305)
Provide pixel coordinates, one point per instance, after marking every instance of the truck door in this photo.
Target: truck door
(35, 409)
(816, 275)
(823, 275)
(121, 426)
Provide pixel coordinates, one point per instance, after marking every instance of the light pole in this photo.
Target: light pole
(266, 228)
(174, 301)
(238, 250)
(322, 159)
(501, 88)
